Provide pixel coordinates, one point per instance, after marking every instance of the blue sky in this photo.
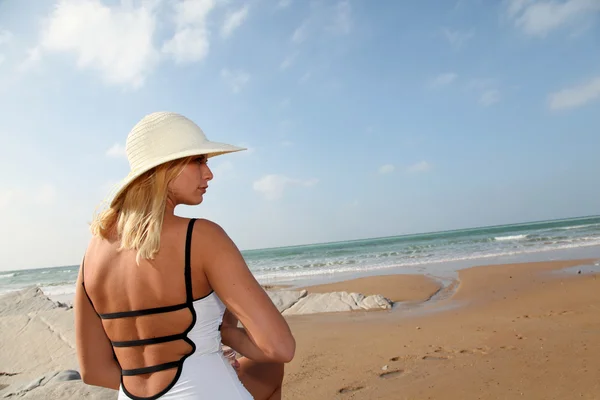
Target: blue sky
(362, 118)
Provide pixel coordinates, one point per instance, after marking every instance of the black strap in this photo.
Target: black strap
(144, 342)
(188, 262)
(83, 285)
(147, 311)
(151, 369)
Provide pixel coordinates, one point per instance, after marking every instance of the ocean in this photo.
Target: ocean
(438, 254)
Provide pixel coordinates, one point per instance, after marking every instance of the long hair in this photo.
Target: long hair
(138, 213)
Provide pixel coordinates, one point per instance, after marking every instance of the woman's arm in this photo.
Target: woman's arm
(267, 336)
(238, 339)
(94, 351)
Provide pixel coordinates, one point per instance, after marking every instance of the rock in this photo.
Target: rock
(61, 385)
(374, 302)
(384, 368)
(315, 303)
(284, 299)
(39, 340)
(34, 384)
(60, 304)
(25, 301)
(68, 375)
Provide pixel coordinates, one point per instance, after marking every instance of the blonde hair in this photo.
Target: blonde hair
(138, 213)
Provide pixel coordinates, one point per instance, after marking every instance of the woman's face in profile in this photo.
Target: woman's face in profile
(191, 184)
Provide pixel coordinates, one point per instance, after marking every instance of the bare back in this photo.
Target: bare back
(116, 284)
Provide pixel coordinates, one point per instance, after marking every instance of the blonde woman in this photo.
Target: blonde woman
(158, 295)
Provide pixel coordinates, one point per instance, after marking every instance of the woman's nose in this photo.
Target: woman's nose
(207, 173)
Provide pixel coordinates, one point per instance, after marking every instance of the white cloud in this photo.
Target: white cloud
(515, 6)
(489, 97)
(117, 150)
(190, 43)
(301, 33)
(575, 96)
(234, 20)
(34, 55)
(457, 38)
(115, 41)
(304, 78)
(5, 36)
(327, 18)
(284, 3)
(386, 169)
(422, 166)
(342, 18)
(288, 61)
(443, 79)
(236, 80)
(487, 91)
(272, 187)
(540, 17)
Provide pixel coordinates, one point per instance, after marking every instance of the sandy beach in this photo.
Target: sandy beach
(508, 332)
(518, 331)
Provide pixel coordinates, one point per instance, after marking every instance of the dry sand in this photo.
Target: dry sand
(509, 332)
(519, 331)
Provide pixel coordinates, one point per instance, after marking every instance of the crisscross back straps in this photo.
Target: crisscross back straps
(189, 304)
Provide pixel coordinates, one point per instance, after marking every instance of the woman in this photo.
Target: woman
(158, 294)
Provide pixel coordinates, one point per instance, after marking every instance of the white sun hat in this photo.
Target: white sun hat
(165, 136)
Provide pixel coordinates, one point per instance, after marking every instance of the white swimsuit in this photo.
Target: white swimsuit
(203, 373)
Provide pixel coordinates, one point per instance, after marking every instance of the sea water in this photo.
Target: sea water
(437, 254)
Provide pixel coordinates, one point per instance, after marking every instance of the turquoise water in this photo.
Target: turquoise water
(410, 253)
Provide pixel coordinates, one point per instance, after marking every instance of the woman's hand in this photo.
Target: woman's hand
(236, 365)
(229, 320)
(230, 353)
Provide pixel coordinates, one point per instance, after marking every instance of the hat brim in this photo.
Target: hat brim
(210, 149)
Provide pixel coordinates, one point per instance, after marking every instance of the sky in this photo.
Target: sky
(361, 118)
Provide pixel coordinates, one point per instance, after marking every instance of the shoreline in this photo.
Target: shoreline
(445, 272)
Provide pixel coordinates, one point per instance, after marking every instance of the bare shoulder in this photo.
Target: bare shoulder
(208, 226)
(210, 233)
